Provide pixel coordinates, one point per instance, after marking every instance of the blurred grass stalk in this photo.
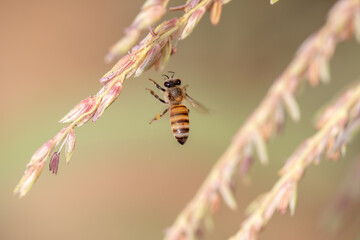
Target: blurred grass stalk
(311, 62)
(335, 127)
(154, 50)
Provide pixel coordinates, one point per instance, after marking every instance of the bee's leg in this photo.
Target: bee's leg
(155, 95)
(157, 117)
(157, 85)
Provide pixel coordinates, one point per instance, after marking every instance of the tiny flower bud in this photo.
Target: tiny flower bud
(54, 162)
(123, 64)
(260, 146)
(70, 145)
(193, 20)
(108, 99)
(149, 59)
(43, 152)
(228, 196)
(166, 26)
(216, 12)
(150, 13)
(32, 172)
(291, 105)
(81, 108)
(34, 168)
(165, 55)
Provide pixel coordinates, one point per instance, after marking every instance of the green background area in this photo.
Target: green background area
(128, 179)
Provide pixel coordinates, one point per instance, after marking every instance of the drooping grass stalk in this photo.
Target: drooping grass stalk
(151, 12)
(334, 132)
(154, 50)
(311, 62)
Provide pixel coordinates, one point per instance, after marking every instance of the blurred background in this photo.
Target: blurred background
(128, 179)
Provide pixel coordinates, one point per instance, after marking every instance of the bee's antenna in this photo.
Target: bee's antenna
(165, 76)
(173, 73)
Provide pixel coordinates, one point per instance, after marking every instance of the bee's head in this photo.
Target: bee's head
(172, 82)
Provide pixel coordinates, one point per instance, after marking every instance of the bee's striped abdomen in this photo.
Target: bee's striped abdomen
(179, 118)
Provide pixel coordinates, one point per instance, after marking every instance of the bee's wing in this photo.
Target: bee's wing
(195, 104)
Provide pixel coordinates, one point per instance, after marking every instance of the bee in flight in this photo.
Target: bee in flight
(174, 94)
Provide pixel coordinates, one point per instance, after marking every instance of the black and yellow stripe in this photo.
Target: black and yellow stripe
(179, 118)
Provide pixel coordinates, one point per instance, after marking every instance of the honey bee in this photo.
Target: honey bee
(174, 94)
